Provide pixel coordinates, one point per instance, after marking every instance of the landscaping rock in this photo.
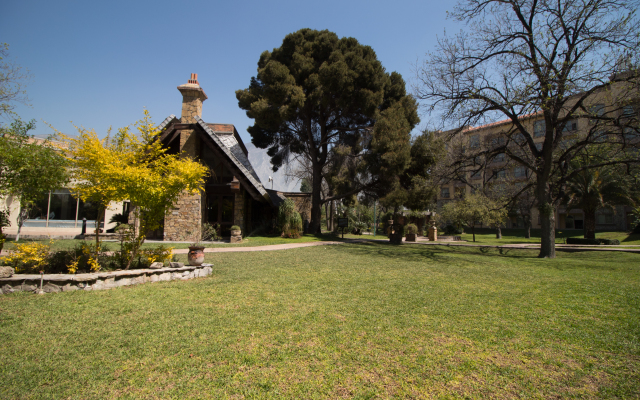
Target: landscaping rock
(51, 288)
(6, 272)
(28, 288)
(176, 265)
(6, 289)
(156, 265)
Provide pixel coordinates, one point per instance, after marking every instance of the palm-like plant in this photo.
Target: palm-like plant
(593, 189)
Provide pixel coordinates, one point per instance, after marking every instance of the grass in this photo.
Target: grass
(358, 321)
(516, 236)
(64, 244)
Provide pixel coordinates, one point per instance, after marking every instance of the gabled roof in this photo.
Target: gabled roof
(227, 140)
(229, 145)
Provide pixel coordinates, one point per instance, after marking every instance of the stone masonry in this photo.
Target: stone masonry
(238, 210)
(184, 221)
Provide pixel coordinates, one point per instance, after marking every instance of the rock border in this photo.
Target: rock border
(54, 283)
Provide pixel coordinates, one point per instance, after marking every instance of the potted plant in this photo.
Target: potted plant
(196, 250)
(411, 231)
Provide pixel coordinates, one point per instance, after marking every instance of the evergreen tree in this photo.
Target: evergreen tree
(318, 92)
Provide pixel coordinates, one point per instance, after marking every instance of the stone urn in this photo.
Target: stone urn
(196, 255)
(410, 237)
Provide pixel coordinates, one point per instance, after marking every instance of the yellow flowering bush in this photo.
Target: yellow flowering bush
(159, 254)
(30, 257)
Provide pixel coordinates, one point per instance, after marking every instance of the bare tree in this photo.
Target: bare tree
(13, 80)
(525, 60)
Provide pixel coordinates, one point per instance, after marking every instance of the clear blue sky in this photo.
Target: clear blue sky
(99, 64)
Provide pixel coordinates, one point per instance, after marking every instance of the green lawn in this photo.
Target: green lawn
(359, 321)
(246, 242)
(514, 236)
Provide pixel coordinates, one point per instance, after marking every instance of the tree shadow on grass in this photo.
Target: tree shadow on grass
(430, 252)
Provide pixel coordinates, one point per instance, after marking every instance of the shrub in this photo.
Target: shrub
(289, 220)
(210, 232)
(160, 253)
(235, 228)
(30, 257)
(451, 230)
(411, 229)
(593, 241)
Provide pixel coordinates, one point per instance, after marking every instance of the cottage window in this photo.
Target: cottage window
(444, 193)
(499, 157)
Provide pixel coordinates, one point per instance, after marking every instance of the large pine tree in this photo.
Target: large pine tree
(316, 92)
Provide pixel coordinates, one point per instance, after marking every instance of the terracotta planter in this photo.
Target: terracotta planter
(410, 237)
(196, 255)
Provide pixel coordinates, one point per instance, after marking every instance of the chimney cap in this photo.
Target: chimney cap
(192, 84)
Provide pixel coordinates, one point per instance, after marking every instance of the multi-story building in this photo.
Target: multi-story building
(607, 118)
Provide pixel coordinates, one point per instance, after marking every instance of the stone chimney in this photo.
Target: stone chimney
(192, 98)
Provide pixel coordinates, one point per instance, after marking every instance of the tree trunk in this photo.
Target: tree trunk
(473, 232)
(527, 229)
(499, 233)
(547, 231)
(101, 214)
(316, 200)
(590, 224)
(21, 218)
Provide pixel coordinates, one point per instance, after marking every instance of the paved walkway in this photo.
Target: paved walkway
(270, 247)
(524, 246)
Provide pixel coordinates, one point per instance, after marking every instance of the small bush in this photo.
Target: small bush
(451, 230)
(289, 220)
(210, 232)
(593, 242)
(235, 228)
(411, 229)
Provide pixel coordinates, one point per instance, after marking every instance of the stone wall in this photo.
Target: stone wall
(54, 283)
(184, 221)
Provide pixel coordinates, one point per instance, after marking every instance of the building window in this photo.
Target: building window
(605, 218)
(459, 192)
(629, 133)
(59, 209)
(539, 146)
(477, 175)
(444, 192)
(220, 209)
(628, 111)
(596, 110)
(474, 141)
(570, 126)
(520, 172)
(538, 129)
(499, 157)
(500, 174)
(497, 141)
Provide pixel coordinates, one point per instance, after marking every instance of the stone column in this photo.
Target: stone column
(238, 210)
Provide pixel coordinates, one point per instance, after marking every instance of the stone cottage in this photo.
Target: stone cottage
(233, 193)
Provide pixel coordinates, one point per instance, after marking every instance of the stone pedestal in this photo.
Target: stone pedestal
(433, 233)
